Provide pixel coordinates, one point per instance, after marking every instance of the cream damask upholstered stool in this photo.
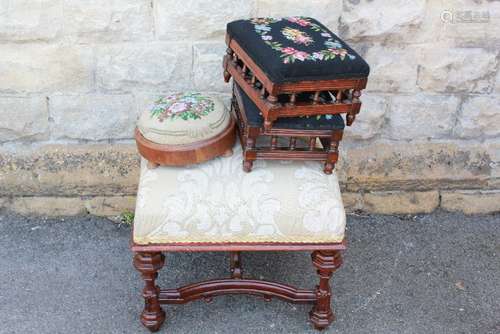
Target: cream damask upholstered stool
(215, 206)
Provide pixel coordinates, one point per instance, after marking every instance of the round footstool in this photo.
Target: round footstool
(183, 129)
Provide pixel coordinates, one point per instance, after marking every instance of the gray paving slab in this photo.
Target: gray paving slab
(437, 273)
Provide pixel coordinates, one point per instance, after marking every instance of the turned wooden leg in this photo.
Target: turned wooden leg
(236, 271)
(227, 76)
(148, 264)
(250, 142)
(326, 263)
(333, 151)
(328, 169)
(247, 166)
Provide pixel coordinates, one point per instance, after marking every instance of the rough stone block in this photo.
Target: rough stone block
(497, 83)
(69, 170)
(455, 70)
(471, 202)
(93, 117)
(28, 20)
(113, 169)
(207, 68)
(46, 206)
(392, 69)
(42, 67)
(362, 19)
(147, 67)
(191, 19)
(421, 116)
(400, 202)
(108, 21)
(325, 11)
(370, 120)
(465, 23)
(23, 118)
(493, 149)
(352, 201)
(480, 116)
(110, 206)
(389, 165)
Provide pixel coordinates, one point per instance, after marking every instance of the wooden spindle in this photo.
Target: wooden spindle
(312, 143)
(339, 96)
(355, 96)
(316, 97)
(293, 143)
(293, 98)
(274, 142)
(254, 79)
(263, 92)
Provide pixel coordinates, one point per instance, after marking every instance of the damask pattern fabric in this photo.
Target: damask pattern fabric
(217, 202)
(294, 49)
(183, 118)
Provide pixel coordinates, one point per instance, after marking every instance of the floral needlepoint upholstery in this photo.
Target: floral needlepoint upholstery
(294, 49)
(319, 122)
(184, 118)
(217, 202)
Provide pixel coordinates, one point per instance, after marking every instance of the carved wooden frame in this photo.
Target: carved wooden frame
(330, 140)
(264, 93)
(149, 259)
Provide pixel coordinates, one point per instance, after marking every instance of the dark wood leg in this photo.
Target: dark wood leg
(236, 271)
(247, 166)
(148, 264)
(333, 151)
(250, 142)
(328, 169)
(326, 263)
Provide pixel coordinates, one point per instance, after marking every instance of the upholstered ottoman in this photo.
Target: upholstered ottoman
(185, 128)
(216, 206)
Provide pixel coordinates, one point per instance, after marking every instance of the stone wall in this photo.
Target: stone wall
(75, 74)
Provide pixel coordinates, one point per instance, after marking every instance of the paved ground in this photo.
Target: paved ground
(436, 273)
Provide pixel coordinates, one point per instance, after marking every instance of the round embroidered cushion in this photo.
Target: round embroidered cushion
(184, 118)
(183, 129)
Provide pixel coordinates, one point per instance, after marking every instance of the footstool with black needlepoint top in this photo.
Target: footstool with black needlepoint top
(287, 69)
(269, 57)
(216, 206)
(312, 138)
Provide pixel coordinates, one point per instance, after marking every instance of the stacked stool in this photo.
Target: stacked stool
(292, 68)
(293, 78)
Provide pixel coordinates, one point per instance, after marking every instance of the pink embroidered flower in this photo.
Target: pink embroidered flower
(299, 21)
(300, 39)
(178, 107)
(289, 50)
(300, 55)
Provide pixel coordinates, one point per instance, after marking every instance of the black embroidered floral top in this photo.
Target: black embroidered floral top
(294, 49)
